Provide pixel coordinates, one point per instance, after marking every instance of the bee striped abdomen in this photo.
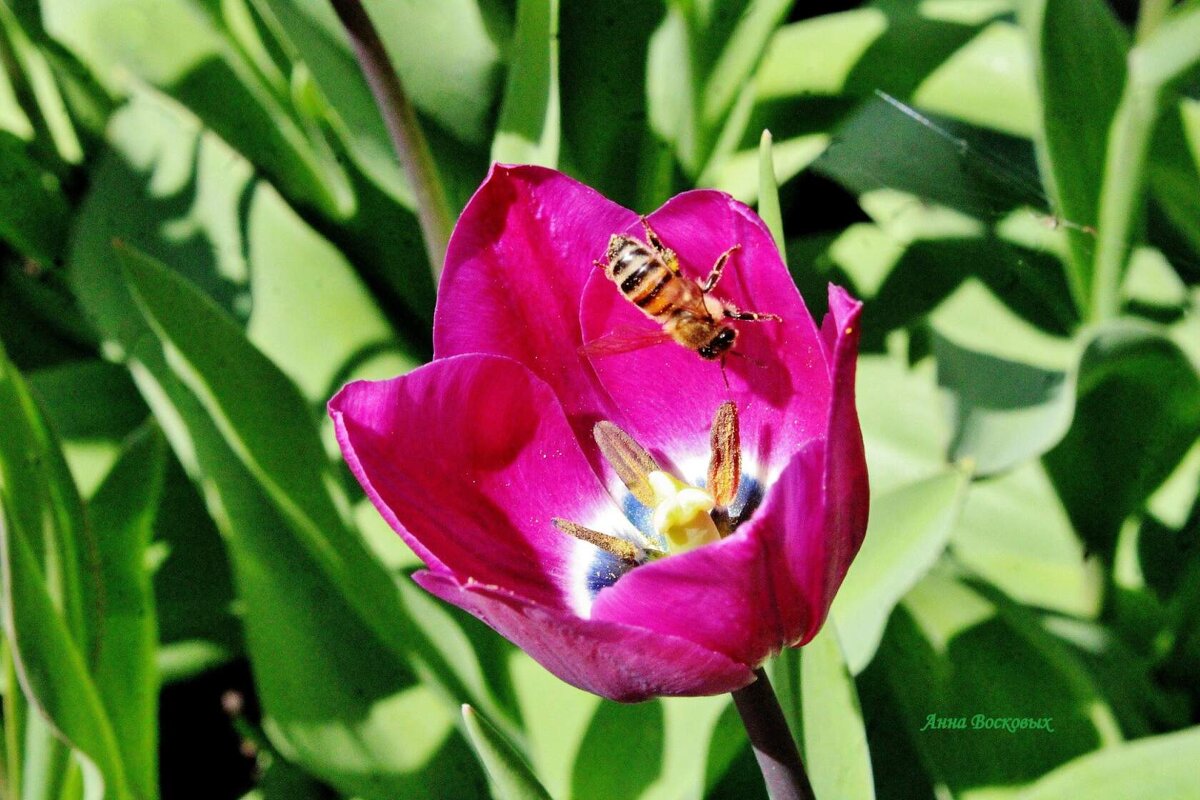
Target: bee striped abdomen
(652, 300)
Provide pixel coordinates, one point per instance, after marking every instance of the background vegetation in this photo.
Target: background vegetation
(204, 232)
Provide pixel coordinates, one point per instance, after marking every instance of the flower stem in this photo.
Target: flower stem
(433, 210)
(774, 747)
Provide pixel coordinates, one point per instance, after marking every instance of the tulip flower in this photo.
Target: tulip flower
(647, 522)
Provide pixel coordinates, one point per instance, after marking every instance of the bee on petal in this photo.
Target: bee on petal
(648, 275)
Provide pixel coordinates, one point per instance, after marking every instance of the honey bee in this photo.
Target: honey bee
(648, 274)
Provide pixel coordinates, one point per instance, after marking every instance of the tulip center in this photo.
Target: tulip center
(663, 515)
(682, 513)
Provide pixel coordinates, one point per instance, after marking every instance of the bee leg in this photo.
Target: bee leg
(600, 265)
(718, 268)
(750, 316)
(665, 253)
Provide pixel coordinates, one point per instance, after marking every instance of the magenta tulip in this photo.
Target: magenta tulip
(580, 501)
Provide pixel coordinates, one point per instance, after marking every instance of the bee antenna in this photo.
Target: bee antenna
(751, 359)
(724, 374)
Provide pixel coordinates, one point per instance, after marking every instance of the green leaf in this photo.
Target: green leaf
(41, 531)
(122, 514)
(908, 529)
(835, 742)
(940, 658)
(199, 67)
(320, 607)
(453, 86)
(903, 429)
(1004, 412)
(1159, 766)
(530, 118)
(987, 82)
(623, 751)
(768, 192)
(510, 774)
(178, 192)
(1015, 533)
(34, 215)
(1173, 171)
(1112, 453)
(1079, 53)
(604, 103)
(193, 585)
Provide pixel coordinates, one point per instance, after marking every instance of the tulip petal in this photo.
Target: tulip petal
(469, 459)
(781, 386)
(515, 270)
(846, 484)
(621, 662)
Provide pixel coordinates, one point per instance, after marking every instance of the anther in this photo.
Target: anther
(725, 464)
(629, 460)
(618, 547)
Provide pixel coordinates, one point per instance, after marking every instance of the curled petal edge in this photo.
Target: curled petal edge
(618, 661)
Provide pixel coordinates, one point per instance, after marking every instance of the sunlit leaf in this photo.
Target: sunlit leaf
(1159, 766)
(530, 118)
(510, 774)
(908, 529)
(122, 514)
(835, 743)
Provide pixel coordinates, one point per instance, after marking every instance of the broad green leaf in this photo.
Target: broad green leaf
(1173, 170)
(604, 103)
(510, 774)
(122, 514)
(321, 608)
(199, 66)
(34, 215)
(193, 584)
(730, 47)
(50, 620)
(530, 124)
(1151, 282)
(178, 192)
(835, 743)
(1004, 412)
(338, 698)
(903, 431)
(988, 82)
(51, 125)
(1015, 533)
(1079, 55)
(623, 751)
(1159, 766)
(454, 87)
(44, 508)
(1109, 451)
(1170, 51)
(940, 660)
(91, 425)
(556, 718)
(908, 529)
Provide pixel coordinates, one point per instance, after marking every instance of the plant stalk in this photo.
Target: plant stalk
(774, 747)
(433, 209)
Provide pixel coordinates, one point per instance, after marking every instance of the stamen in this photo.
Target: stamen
(725, 466)
(681, 513)
(611, 544)
(629, 460)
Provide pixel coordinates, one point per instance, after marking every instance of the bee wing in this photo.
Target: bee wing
(624, 340)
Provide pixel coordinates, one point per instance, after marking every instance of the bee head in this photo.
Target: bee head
(719, 344)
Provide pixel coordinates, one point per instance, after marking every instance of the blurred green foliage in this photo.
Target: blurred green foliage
(204, 232)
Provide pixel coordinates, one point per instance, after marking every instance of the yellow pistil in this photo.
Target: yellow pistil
(681, 513)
